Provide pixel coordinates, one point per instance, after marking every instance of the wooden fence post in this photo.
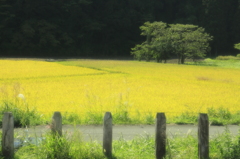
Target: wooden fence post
(107, 134)
(7, 135)
(56, 126)
(160, 136)
(203, 136)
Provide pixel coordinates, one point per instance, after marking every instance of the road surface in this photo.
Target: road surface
(127, 132)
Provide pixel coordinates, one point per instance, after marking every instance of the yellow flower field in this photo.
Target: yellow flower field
(139, 88)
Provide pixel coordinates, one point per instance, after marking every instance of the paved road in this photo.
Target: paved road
(127, 132)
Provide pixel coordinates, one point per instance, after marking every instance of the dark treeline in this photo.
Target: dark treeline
(107, 27)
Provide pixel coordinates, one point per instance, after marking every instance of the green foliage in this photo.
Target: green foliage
(150, 118)
(190, 41)
(22, 117)
(226, 146)
(121, 115)
(69, 146)
(186, 118)
(217, 63)
(227, 58)
(219, 113)
(185, 41)
(94, 118)
(222, 116)
(218, 116)
(55, 147)
(182, 146)
(222, 146)
(104, 27)
(71, 118)
(237, 46)
(142, 51)
(44, 34)
(157, 44)
(139, 147)
(238, 56)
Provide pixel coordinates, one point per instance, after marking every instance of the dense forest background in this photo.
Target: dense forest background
(107, 27)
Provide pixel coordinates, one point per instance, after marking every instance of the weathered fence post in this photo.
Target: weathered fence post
(203, 136)
(107, 134)
(56, 126)
(7, 135)
(160, 136)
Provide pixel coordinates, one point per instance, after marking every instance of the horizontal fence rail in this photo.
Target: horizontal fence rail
(160, 134)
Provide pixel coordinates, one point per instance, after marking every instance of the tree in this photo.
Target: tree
(161, 42)
(162, 52)
(6, 18)
(189, 41)
(141, 52)
(220, 20)
(185, 41)
(110, 27)
(156, 44)
(237, 46)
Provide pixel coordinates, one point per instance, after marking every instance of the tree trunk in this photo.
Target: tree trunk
(182, 59)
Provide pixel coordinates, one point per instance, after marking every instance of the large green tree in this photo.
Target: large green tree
(155, 33)
(189, 41)
(162, 40)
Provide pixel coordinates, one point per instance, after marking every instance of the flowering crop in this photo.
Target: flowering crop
(88, 87)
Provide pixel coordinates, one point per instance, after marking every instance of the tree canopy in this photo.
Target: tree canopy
(237, 46)
(162, 41)
(108, 27)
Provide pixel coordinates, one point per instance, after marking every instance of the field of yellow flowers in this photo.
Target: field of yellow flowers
(138, 89)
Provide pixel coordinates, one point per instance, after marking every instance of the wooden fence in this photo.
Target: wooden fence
(160, 134)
